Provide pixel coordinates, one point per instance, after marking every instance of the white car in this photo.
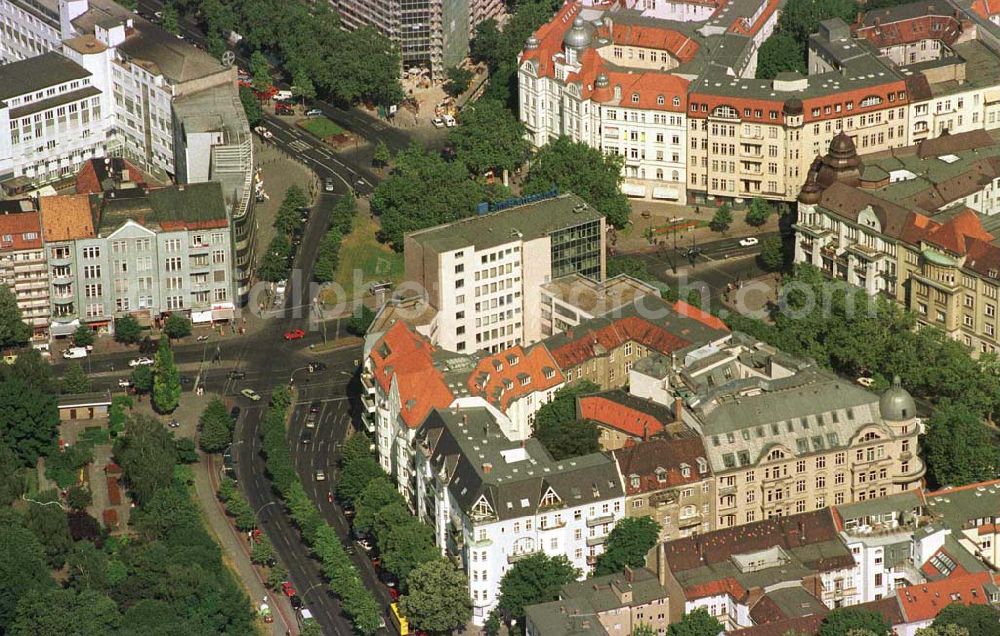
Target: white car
(320, 475)
(749, 241)
(140, 362)
(866, 382)
(124, 383)
(449, 121)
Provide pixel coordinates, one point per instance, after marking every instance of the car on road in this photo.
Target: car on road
(296, 602)
(287, 589)
(365, 544)
(314, 112)
(317, 366)
(320, 475)
(236, 374)
(394, 594)
(438, 122)
(328, 184)
(125, 383)
(749, 241)
(295, 334)
(315, 406)
(250, 394)
(311, 418)
(186, 380)
(140, 362)
(235, 413)
(307, 436)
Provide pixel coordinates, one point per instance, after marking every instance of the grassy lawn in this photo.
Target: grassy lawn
(360, 251)
(321, 127)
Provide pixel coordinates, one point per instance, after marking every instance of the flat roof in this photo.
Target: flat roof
(38, 73)
(525, 222)
(587, 295)
(982, 68)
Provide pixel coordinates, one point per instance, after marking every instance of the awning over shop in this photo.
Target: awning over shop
(223, 311)
(634, 190)
(200, 317)
(673, 194)
(63, 328)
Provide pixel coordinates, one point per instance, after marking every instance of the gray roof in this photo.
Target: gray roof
(903, 502)
(162, 53)
(896, 403)
(478, 461)
(38, 73)
(53, 102)
(957, 506)
(530, 221)
(188, 203)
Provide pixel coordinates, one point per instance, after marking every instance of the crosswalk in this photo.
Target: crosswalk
(299, 145)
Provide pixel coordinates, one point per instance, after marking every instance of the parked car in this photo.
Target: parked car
(186, 380)
(449, 121)
(295, 334)
(75, 352)
(749, 241)
(140, 362)
(311, 419)
(250, 394)
(282, 108)
(317, 366)
(236, 374)
(307, 436)
(438, 122)
(320, 475)
(314, 112)
(315, 406)
(296, 602)
(365, 544)
(328, 184)
(287, 589)
(125, 383)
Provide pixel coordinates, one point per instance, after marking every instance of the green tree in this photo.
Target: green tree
(406, 546)
(379, 493)
(186, 450)
(215, 427)
(557, 428)
(302, 86)
(118, 414)
(260, 72)
(845, 619)
(142, 378)
(630, 266)
(34, 370)
(75, 380)
(360, 320)
(588, 172)
(354, 478)
(722, 219)
(166, 379)
(959, 446)
(262, 552)
(55, 612)
(87, 567)
(22, 566)
(490, 138)
(127, 330)
(772, 253)
(147, 456)
(780, 53)
(800, 18)
(28, 419)
(276, 575)
(381, 155)
(422, 191)
(644, 629)
(487, 42)
(177, 326)
(437, 598)
(251, 107)
(13, 477)
(533, 579)
(696, 623)
(83, 336)
(342, 216)
(981, 620)
(170, 19)
(367, 69)
(758, 212)
(275, 264)
(945, 630)
(328, 256)
(13, 331)
(458, 80)
(48, 522)
(79, 497)
(628, 543)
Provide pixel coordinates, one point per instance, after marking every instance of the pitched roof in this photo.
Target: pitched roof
(954, 235)
(66, 217)
(37, 73)
(716, 587)
(986, 8)
(24, 230)
(924, 601)
(646, 458)
(679, 45)
(405, 356)
(98, 175)
(949, 143)
(624, 412)
(585, 344)
(685, 309)
(509, 375)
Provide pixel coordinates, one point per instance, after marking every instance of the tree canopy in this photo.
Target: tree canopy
(75, 379)
(28, 418)
(490, 138)
(981, 620)
(536, 578)
(127, 330)
(696, 623)
(627, 544)
(588, 172)
(147, 456)
(437, 598)
(780, 53)
(166, 379)
(13, 330)
(215, 427)
(960, 449)
(557, 428)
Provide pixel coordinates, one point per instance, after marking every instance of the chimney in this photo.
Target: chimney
(487, 468)
(678, 409)
(629, 574)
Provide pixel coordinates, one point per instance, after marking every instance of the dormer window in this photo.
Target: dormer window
(633, 481)
(661, 475)
(685, 470)
(635, 98)
(677, 101)
(660, 100)
(550, 498)
(511, 360)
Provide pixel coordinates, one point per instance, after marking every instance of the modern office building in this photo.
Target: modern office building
(483, 275)
(432, 34)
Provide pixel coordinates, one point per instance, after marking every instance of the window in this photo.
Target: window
(173, 264)
(219, 256)
(92, 252)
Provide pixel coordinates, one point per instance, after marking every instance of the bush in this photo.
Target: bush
(186, 453)
(118, 413)
(127, 330)
(63, 467)
(177, 326)
(78, 497)
(83, 336)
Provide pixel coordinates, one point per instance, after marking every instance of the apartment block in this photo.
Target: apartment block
(570, 300)
(484, 274)
(493, 501)
(140, 253)
(911, 236)
(22, 263)
(431, 34)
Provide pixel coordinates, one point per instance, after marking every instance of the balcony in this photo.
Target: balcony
(369, 422)
(369, 403)
(913, 475)
(601, 520)
(592, 559)
(592, 541)
(517, 556)
(555, 525)
(368, 382)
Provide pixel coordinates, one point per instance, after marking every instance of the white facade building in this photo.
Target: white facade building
(493, 501)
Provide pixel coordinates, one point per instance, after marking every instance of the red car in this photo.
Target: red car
(294, 334)
(287, 589)
(393, 594)
(281, 108)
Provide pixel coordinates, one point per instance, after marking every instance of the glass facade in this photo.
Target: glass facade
(577, 250)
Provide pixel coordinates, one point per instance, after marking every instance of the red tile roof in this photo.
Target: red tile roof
(24, 230)
(889, 32)
(67, 217)
(931, 570)
(680, 46)
(986, 8)
(90, 177)
(643, 459)
(584, 345)
(406, 356)
(922, 602)
(500, 381)
(550, 38)
(705, 318)
(619, 416)
(716, 587)
(954, 235)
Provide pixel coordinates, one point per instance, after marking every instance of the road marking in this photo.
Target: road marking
(299, 146)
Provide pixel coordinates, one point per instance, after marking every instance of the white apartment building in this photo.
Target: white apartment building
(55, 118)
(483, 274)
(31, 27)
(493, 501)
